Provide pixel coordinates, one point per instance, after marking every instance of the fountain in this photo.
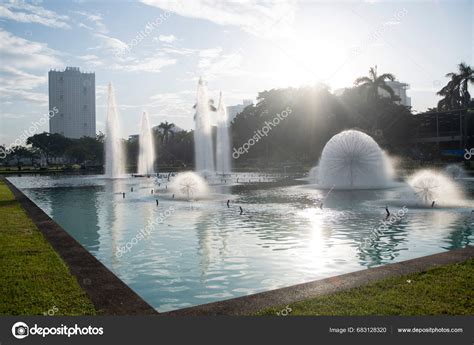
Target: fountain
(114, 156)
(429, 185)
(146, 149)
(313, 174)
(204, 153)
(189, 185)
(223, 161)
(353, 160)
(455, 171)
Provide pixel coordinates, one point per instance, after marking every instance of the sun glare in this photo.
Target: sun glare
(307, 61)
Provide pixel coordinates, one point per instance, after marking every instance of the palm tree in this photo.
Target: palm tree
(166, 128)
(455, 93)
(374, 82)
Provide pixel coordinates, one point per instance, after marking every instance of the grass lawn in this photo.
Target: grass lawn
(33, 278)
(446, 290)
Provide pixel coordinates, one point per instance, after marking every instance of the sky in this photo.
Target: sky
(154, 51)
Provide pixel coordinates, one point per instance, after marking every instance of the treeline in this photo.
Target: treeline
(173, 149)
(316, 115)
(312, 116)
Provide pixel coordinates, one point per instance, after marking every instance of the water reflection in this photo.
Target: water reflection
(204, 251)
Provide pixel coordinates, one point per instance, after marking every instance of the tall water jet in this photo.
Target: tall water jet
(353, 160)
(146, 149)
(204, 153)
(114, 156)
(223, 160)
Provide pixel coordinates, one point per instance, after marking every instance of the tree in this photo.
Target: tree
(374, 82)
(32, 153)
(85, 149)
(50, 145)
(18, 152)
(455, 93)
(166, 130)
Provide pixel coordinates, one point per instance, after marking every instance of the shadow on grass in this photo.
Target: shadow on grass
(5, 203)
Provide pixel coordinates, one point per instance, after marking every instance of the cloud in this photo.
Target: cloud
(11, 115)
(167, 38)
(179, 51)
(112, 44)
(90, 60)
(152, 64)
(262, 19)
(94, 18)
(173, 104)
(210, 53)
(27, 13)
(24, 54)
(213, 63)
(24, 67)
(17, 85)
(392, 22)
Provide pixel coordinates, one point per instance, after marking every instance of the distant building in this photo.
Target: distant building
(133, 137)
(73, 93)
(233, 110)
(400, 90)
(446, 133)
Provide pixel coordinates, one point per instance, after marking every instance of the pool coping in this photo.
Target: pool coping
(109, 294)
(250, 304)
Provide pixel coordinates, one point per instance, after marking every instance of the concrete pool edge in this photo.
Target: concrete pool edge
(109, 294)
(132, 304)
(246, 305)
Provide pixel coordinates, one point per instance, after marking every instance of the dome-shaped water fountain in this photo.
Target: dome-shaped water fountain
(429, 185)
(188, 186)
(454, 171)
(353, 160)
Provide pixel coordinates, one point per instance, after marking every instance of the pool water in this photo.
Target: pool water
(196, 252)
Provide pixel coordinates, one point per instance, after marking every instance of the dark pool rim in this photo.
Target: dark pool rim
(111, 296)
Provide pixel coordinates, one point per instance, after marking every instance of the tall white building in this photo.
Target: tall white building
(72, 92)
(400, 90)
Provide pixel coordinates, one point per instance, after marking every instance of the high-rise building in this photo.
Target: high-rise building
(233, 110)
(72, 92)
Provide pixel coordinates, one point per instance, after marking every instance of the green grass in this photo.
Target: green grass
(446, 290)
(33, 278)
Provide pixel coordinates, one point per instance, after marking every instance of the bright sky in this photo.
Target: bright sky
(239, 47)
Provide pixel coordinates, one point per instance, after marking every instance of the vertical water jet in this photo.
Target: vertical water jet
(223, 154)
(114, 156)
(204, 153)
(146, 148)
